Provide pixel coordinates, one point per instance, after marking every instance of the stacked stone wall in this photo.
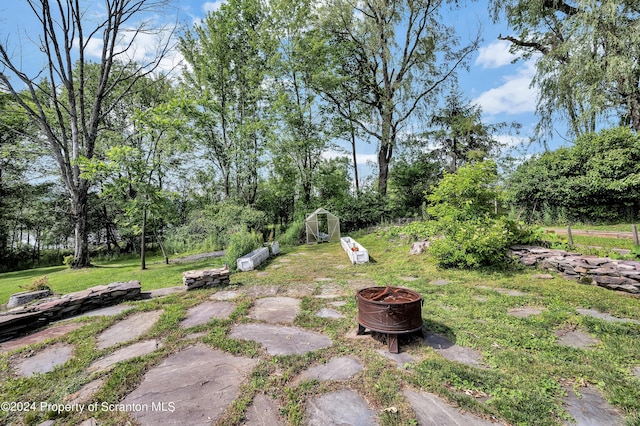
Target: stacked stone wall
(206, 278)
(29, 317)
(622, 275)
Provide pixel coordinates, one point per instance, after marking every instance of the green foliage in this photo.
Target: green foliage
(412, 177)
(477, 242)
(69, 260)
(596, 180)
(295, 233)
(469, 193)
(211, 227)
(468, 233)
(241, 243)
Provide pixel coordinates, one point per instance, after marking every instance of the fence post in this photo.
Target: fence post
(635, 234)
(569, 235)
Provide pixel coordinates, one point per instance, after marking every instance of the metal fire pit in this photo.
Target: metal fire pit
(390, 310)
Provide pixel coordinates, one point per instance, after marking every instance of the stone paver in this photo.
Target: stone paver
(128, 329)
(440, 282)
(275, 310)
(225, 295)
(329, 292)
(575, 339)
(636, 372)
(432, 410)
(40, 336)
(263, 291)
(281, 340)
(401, 358)
(340, 408)
(263, 412)
(122, 354)
(542, 276)
(85, 393)
(205, 312)
(591, 409)
(109, 311)
(46, 360)
(199, 382)
(338, 303)
(605, 316)
(409, 279)
(342, 368)
(453, 352)
(329, 313)
(524, 312)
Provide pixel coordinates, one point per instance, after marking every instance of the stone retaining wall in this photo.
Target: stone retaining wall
(622, 275)
(206, 278)
(29, 317)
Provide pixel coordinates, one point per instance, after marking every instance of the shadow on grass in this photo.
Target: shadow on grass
(31, 273)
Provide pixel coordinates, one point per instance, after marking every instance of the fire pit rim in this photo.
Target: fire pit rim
(383, 302)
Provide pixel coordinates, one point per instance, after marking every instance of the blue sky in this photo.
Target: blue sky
(495, 82)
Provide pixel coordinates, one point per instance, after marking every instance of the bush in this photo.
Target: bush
(295, 234)
(478, 242)
(241, 243)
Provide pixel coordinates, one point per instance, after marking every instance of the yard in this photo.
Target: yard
(524, 377)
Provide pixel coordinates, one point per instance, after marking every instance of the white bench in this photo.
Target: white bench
(251, 260)
(355, 251)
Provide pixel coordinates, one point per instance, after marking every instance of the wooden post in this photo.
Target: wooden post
(569, 235)
(635, 234)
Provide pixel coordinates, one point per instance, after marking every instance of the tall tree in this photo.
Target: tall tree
(67, 113)
(588, 58)
(460, 135)
(400, 53)
(304, 133)
(228, 55)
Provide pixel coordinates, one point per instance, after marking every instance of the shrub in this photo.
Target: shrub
(478, 242)
(68, 260)
(295, 233)
(240, 243)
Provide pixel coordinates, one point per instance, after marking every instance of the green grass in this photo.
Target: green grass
(63, 280)
(527, 370)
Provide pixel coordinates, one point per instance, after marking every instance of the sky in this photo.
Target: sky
(496, 81)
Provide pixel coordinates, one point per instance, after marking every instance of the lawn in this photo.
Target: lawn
(63, 280)
(527, 369)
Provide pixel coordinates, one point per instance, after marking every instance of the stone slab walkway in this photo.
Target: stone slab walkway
(281, 340)
(46, 360)
(344, 407)
(195, 385)
(128, 329)
(432, 410)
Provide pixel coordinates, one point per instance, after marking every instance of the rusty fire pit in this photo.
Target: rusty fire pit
(390, 310)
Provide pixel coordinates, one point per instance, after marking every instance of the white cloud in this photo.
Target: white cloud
(361, 158)
(144, 49)
(212, 6)
(511, 141)
(495, 55)
(514, 96)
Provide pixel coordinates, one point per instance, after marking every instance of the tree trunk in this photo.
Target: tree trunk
(143, 264)
(80, 209)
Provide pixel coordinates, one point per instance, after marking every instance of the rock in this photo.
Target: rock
(46, 360)
(419, 247)
(128, 329)
(25, 297)
(344, 407)
(432, 410)
(281, 340)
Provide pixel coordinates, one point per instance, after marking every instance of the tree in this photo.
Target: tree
(139, 161)
(304, 132)
(460, 135)
(68, 114)
(588, 58)
(595, 180)
(400, 54)
(228, 60)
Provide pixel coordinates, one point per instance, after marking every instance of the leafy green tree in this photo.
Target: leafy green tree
(68, 114)
(228, 57)
(413, 175)
(594, 180)
(303, 132)
(588, 57)
(399, 55)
